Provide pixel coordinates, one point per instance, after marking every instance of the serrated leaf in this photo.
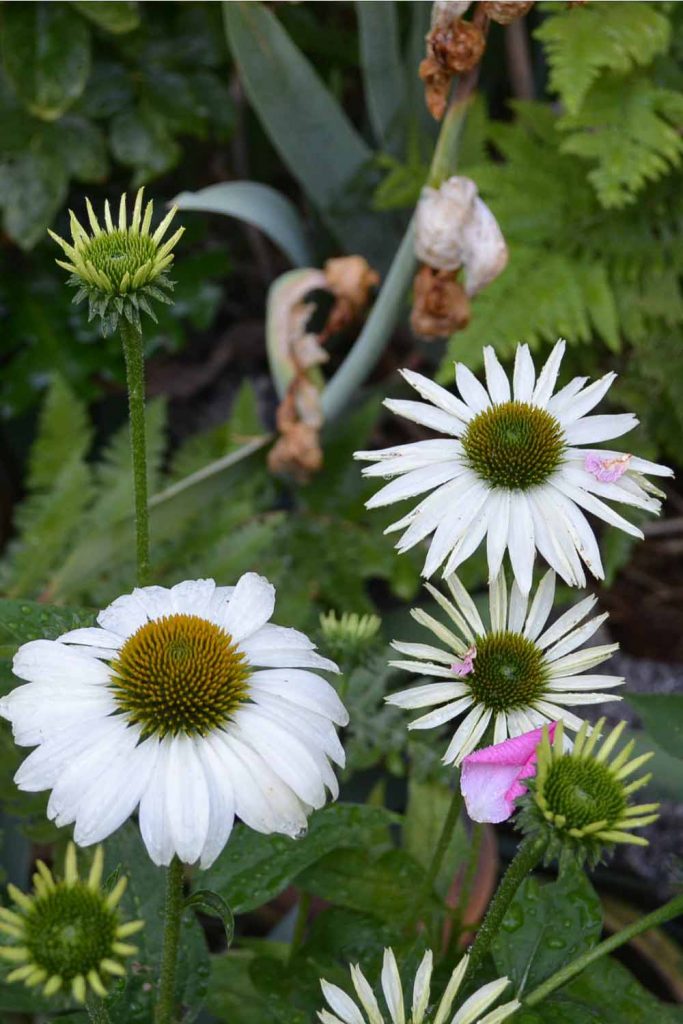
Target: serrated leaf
(46, 52)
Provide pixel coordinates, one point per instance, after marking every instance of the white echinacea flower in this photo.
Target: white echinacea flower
(517, 675)
(347, 1011)
(188, 702)
(513, 469)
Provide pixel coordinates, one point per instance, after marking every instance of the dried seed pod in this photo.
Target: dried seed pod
(437, 85)
(457, 47)
(440, 305)
(297, 453)
(506, 11)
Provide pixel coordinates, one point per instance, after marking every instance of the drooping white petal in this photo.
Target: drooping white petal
(450, 530)
(498, 601)
(518, 607)
(521, 541)
(110, 799)
(287, 756)
(301, 687)
(187, 798)
(465, 604)
(155, 826)
(498, 529)
(467, 735)
(416, 482)
(221, 804)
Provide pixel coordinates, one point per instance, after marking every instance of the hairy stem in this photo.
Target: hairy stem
(527, 857)
(97, 1011)
(169, 958)
(133, 351)
(674, 908)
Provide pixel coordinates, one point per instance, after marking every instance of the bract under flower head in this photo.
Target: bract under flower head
(345, 1010)
(491, 780)
(121, 267)
(349, 635)
(67, 936)
(187, 702)
(580, 798)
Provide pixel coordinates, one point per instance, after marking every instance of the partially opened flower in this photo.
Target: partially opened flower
(510, 678)
(67, 936)
(423, 1007)
(581, 798)
(491, 780)
(513, 468)
(187, 702)
(120, 267)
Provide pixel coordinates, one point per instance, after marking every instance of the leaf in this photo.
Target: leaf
(254, 868)
(46, 52)
(255, 204)
(428, 804)
(383, 76)
(33, 186)
(662, 715)
(301, 118)
(580, 42)
(81, 146)
(115, 16)
(232, 995)
(211, 903)
(140, 139)
(21, 621)
(545, 927)
(385, 887)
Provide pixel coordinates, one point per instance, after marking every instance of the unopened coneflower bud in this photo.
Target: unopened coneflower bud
(506, 11)
(455, 228)
(121, 266)
(67, 936)
(349, 635)
(581, 798)
(440, 305)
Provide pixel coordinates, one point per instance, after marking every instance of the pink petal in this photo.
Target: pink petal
(491, 778)
(607, 471)
(464, 667)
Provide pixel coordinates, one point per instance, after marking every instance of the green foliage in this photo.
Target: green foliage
(662, 715)
(428, 804)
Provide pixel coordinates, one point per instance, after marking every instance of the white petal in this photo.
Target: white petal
(304, 688)
(475, 734)
(474, 393)
(431, 511)
(434, 393)
(287, 657)
(391, 986)
(443, 714)
(366, 995)
(586, 400)
(498, 528)
(455, 526)
(469, 541)
(575, 699)
(343, 1005)
(314, 730)
(154, 820)
(553, 539)
(548, 376)
(591, 429)
(500, 728)
(425, 651)
(598, 508)
(575, 639)
(566, 622)
(38, 712)
(521, 543)
(51, 662)
(518, 607)
(156, 601)
(417, 454)
(496, 379)
(556, 713)
(426, 416)
(221, 804)
(93, 636)
(563, 399)
(466, 604)
(462, 734)
(187, 798)
(540, 606)
(193, 597)
(123, 616)
(426, 668)
(109, 800)
(416, 482)
(498, 599)
(421, 988)
(524, 375)
(624, 490)
(250, 606)
(480, 1001)
(580, 661)
(580, 531)
(43, 766)
(285, 754)
(571, 684)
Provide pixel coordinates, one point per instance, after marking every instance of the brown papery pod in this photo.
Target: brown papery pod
(506, 11)
(440, 305)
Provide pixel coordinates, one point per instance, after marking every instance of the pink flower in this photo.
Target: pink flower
(464, 667)
(491, 777)
(607, 471)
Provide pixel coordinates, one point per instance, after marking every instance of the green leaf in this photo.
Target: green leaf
(254, 868)
(140, 139)
(33, 186)
(21, 621)
(428, 804)
(580, 42)
(255, 204)
(662, 715)
(46, 51)
(545, 927)
(232, 995)
(81, 146)
(209, 902)
(302, 119)
(115, 16)
(384, 886)
(383, 76)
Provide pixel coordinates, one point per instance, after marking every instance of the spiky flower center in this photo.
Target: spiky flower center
(180, 674)
(583, 791)
(117, 253)
(514, 445)
(508, 672)
(70, 931)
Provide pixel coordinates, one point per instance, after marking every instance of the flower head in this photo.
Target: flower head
(349, 635)
(512, 468)
(67, 936)
(523, 676)
(491, 778)
(581, 798)
(347, 1010)
(187, 702)
(120, 267)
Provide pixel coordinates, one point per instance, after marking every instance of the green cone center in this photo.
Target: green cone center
(180, 674)
(117, 253)
(508, 672)
(584, 791)
(514, 445)
(70, 931)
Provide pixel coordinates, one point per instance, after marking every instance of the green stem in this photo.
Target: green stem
(300, 924)
(527, 857)
(376, 333)
(425, 892)
(672, 909)
(97, 1011)
(133, 351)
(172, 913)
(469, 874)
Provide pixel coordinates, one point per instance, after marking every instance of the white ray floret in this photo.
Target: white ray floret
(517, 466)
(513, 676)
(346, 1010)
(186, 703)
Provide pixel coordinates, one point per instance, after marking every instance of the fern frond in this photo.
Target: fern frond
(582, 41)
(632, 129)
(64, 434)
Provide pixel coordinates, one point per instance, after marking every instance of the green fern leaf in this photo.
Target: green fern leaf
(581, 42)
(632, 129)
(64, 434)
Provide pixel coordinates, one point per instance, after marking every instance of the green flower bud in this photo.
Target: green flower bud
(348, 637)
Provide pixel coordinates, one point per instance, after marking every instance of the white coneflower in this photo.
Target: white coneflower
(514, 676)
(512, 469)
(187, 702)
(347, 1011)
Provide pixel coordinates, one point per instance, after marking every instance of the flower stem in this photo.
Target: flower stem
(133, 351)
(300, 924)
(527, 857)
(97, 1011)
(425, 892)
(674, 908)
(172, 911)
